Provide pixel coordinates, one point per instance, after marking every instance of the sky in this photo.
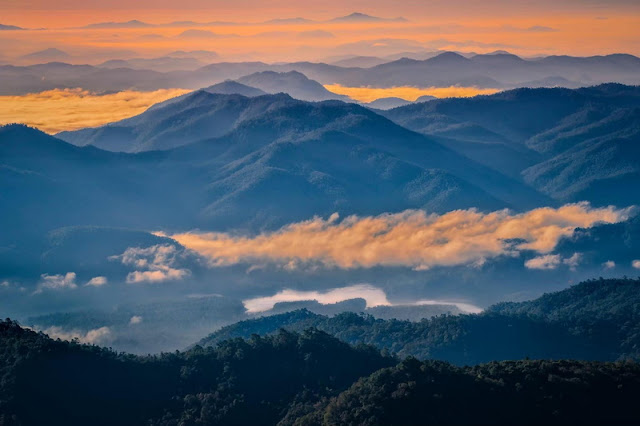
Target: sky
(574, 27)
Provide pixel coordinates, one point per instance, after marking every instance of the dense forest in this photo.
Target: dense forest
(594, 320)
(238, 382)
(307, 378)
(310, 377)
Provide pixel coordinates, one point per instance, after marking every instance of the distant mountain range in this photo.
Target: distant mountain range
(443, 70)
(9, 27)
(355, 17)
(581, 145)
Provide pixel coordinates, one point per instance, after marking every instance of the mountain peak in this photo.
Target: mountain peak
(363, 17)
(448, 58)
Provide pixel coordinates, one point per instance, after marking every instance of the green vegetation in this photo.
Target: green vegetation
(594, 320)
(313, 378)
(498, 393)
(239, 382)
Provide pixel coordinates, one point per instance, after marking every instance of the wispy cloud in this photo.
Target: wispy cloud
(136, 319)
(609, 264)
(412, 238)
(153, 264)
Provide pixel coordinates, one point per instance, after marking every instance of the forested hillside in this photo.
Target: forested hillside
(594, 320)
(309, 378)
(239, 382)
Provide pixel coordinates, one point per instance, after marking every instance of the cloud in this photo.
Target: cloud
(154, 264)
(552, 261)
(57, 282)
(609, 264)
(58, 110)
(636, 264)
(97, 336)
(549, 261)
(373, 296)
(5, 284)
(136, 319)
(97, 282)
(412, 238)
(370, 94)
(573, 261)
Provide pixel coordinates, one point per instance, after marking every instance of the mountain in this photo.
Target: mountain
(295, 84)
(498, 393)
(289, 378)
(582, 144)
(231, 87)
(595, 320)
(47, 55)
(114, 25)
(9, 27)
(445, 69)
(425, 98)
(80, 185)
(359, 62)
(162, 64)
(244, 128)
(387, 103)
(358, 17)
(490, 71)
(56, 75)
(238, 383)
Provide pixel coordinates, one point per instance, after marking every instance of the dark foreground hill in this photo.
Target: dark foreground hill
(594, 320)
(304, 379)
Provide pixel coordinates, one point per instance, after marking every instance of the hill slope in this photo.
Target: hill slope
(595, 320)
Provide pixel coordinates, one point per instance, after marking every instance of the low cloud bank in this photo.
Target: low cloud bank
(57, 110)
(373, 296)
(412, 238)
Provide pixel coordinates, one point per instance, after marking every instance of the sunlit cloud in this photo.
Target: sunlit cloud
(97, 282)
(71, 109)
(370, 94)
(636, 264)
(136, 319)
(413, 238)
(373, 296)
(609, 264)
(153, 264)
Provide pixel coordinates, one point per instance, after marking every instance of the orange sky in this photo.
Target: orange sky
(575, 27)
